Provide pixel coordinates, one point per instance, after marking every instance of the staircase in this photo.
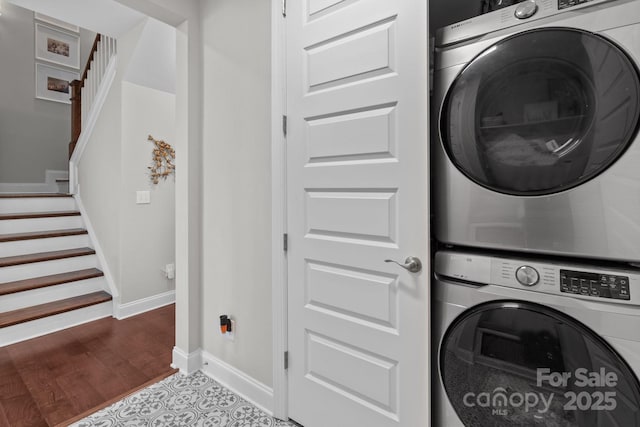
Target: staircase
(49, 278)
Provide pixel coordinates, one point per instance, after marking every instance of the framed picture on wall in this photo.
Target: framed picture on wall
(57, 47)
(53, 83)
(58, 23)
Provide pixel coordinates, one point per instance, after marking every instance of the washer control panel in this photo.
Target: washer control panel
(588, 281)
(595, 284)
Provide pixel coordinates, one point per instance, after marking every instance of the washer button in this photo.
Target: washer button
(526, 9)
(527, 276)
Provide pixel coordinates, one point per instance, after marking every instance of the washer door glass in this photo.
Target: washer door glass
(541, 111)
(515, 363)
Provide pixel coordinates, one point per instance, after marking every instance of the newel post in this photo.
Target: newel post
(76, 113)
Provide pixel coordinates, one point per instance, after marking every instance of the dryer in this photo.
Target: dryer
(537, 147)
(531, 342)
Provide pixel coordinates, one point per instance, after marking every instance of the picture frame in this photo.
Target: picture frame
(53, 83)
(57, 47)
(56, 22)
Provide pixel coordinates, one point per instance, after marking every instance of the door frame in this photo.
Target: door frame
(279, 282)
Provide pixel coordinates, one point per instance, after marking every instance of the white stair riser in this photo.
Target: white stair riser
(10, 226)
(37, 204)
(50, 293)
(46, 268)
(34, 246)
(47, 325)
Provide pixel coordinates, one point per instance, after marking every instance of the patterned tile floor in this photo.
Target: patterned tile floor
(179, 400)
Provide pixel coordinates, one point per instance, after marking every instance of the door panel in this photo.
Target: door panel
(357, 96)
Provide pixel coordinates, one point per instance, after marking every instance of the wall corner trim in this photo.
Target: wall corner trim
(239, 382)
(133, 308)
(187, 363)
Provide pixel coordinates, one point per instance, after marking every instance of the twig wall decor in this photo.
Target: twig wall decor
(162, 160)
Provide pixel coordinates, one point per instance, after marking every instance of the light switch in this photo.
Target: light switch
(143, 197)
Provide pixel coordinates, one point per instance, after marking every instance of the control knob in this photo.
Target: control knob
(527, 275)
(526, 9)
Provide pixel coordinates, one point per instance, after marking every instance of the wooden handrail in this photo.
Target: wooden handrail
(94, 49)
(76, 98)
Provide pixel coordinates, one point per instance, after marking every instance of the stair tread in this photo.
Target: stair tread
(31, 195)
(41, 234)
(51, 280)
(22, 315)
(45, 256)
(31, 215)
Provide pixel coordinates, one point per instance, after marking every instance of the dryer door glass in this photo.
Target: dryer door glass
(515, 363)
(541, 111)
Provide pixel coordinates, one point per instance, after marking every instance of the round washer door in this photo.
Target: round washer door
(516, 363)
(542, 111)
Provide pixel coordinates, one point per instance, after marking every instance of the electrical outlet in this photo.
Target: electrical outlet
(231, 336)
(170, 269)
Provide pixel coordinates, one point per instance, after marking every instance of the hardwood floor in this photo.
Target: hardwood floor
(50, 380)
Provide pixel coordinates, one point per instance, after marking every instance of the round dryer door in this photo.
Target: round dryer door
(515, 363)
(542, 111)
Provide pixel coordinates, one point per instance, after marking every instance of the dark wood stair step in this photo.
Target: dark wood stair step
(31, 195)
(41, 234)
(52, 280)
(32, 215)
(22, 315)
(45, 256)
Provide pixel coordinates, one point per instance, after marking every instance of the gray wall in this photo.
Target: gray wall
(34, 133)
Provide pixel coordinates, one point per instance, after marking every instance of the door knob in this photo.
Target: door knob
(411, 264)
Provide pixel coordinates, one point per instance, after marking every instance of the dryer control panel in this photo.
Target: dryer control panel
(508, 17)
(595, 284)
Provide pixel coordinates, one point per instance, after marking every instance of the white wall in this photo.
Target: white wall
(137, 240)
(147, 232)
(237, 182)
(99, 178)
(154, 61)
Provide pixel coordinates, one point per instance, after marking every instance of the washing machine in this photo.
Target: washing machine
(535, 145)
(532, 342)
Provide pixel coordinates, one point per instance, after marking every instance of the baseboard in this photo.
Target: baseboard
(187, 363)
(237, 381)
(145, 304)
(49, 186)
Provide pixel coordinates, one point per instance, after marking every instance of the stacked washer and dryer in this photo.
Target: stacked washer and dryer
(536, 294)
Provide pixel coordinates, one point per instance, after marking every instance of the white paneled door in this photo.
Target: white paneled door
(357, 195)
